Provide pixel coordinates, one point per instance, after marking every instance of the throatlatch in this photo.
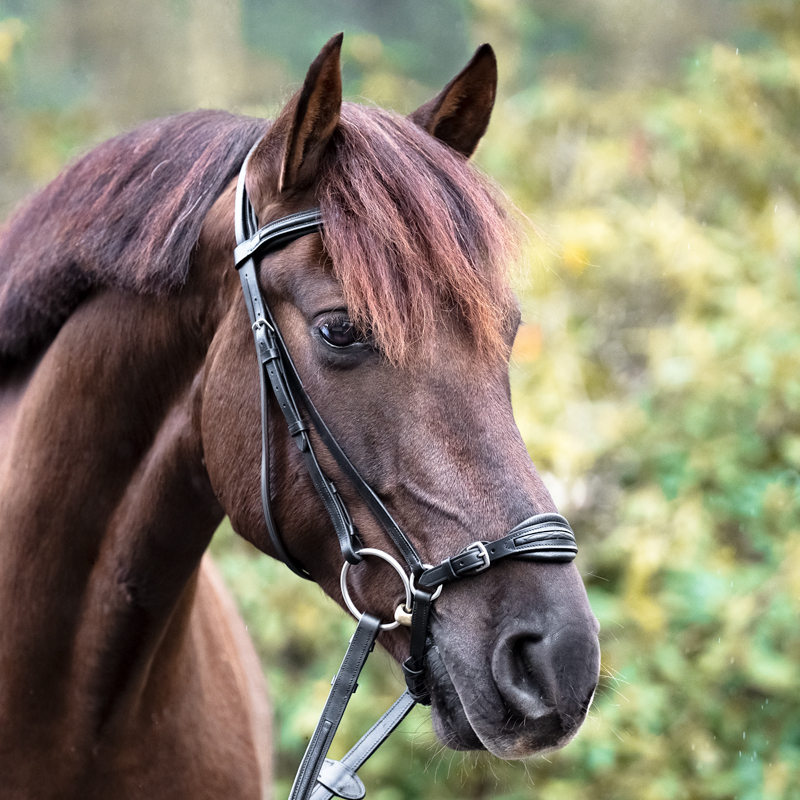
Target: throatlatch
(543, 538)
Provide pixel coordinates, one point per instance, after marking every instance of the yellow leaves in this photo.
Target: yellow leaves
(603, 164)
(790, 451)
(646, 541)
(690, 526)
(643, 607)
(783, 219)
(40, 151)
(751, 306)
(616, 422)
(575, 258)
(791, 566)
(561, 790)
(590, 232)
(731, 117)
(704, 749)
(689, 253)
(775, 674)
(777, 779)
(679, 353)
(11, 32)
(499, 7)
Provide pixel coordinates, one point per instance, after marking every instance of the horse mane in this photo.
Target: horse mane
(125, 215)
(410, 226)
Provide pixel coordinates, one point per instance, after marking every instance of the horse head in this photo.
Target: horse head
(400, 321)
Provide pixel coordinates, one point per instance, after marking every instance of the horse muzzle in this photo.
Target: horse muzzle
(525, 688)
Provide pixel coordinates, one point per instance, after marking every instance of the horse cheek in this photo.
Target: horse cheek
(230, 426)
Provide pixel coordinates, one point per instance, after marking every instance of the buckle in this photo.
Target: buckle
(262, 323)
(482, 552)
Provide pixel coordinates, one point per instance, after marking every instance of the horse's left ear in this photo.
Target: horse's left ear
(302, 131)
(459, 115)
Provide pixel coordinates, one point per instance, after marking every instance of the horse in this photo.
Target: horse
(130, 426)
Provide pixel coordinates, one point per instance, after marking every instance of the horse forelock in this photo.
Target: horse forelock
(413, 232)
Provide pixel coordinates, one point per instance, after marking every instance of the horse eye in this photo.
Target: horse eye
(339, 333)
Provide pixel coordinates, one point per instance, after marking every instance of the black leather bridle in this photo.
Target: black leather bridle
(544, 537)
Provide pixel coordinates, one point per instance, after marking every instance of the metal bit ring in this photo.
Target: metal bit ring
(436, 592)
(369, 551)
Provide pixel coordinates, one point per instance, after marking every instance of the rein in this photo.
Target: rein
(543, 537)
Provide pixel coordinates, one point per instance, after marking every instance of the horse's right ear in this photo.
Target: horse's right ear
(300, 134)
(459, 114)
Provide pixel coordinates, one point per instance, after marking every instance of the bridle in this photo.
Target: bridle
(544, 537)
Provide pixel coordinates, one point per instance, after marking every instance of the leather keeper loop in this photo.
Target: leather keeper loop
(415, 682)
(298, 426)
(341, 780)
(269, 354)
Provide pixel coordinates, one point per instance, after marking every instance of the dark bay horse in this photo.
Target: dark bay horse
(130, 425)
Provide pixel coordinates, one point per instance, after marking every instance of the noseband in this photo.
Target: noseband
(544, 537)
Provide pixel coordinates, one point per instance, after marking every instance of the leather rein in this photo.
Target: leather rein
(544, 537)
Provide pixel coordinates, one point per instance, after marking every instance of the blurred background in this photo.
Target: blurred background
(654, 145)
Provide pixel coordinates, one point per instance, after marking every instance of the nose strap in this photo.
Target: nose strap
(545, 537)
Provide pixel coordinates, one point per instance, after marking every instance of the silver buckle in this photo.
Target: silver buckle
(262, 323)
(483, 553)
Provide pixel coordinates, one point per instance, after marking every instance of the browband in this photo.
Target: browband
(276, 235)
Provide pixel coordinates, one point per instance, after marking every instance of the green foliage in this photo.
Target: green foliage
(656, 380)
(421, 40)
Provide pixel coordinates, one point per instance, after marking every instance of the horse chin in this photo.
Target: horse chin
(450, 721)
(480, 720)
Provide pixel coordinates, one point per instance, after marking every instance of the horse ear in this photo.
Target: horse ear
(459, 115)
(303, 129)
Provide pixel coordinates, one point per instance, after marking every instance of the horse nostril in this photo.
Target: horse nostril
(550, 678)
(530, 674)
(526, 660)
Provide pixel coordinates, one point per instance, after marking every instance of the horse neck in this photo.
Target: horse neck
(105, 508)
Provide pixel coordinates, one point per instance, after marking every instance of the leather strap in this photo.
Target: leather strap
(371, 500)
(275, 359)
(276, 235)
(545, 537)
(344, 683)
(270, 360)
(368, 743)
